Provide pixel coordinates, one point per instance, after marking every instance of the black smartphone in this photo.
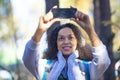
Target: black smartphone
(64, 12)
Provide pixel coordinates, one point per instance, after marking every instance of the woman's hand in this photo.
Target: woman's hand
(84, 21)
(45, 22)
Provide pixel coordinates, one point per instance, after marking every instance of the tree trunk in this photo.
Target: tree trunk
(96, 16)
(49, 5)
(104, 31)
(106, 36)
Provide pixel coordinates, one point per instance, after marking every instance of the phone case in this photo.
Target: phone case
(64, 12)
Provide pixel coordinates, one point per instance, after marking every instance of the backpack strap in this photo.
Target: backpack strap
(86, 69)
(45, 71)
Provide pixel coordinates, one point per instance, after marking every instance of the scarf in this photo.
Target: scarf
(74, 72)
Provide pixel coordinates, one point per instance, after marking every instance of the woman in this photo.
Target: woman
(66, 53)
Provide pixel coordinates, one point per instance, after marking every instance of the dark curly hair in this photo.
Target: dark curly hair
(51, 52)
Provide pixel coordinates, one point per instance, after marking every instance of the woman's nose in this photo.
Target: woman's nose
(66, 40)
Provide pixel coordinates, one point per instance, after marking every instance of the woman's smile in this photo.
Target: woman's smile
(67, 48)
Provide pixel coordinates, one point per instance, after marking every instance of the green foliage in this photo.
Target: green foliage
(5, 8)
(1, 56)
(7, 57)
(7, 33)
(115, 22)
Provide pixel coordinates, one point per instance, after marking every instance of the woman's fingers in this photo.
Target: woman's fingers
(53, 21)
(49, 15)
(55, 6)
(79, 15)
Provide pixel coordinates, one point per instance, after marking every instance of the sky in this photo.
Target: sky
(26, 15)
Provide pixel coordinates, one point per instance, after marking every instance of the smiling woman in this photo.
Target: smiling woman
(66, 58)
(68, 38)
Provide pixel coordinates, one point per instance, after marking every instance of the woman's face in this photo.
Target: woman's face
(66, 41)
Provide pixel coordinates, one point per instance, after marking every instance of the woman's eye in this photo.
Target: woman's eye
(70, 37)
(60, 38)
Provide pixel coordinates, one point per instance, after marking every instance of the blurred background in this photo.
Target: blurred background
(19, 20)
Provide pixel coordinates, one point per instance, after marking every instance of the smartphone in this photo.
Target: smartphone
(64, 12)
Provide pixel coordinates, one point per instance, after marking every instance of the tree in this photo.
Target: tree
(9, 35)
(49, 5)
(107, 36)
(102, 7)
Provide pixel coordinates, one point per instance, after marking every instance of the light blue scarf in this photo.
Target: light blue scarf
(74, 72)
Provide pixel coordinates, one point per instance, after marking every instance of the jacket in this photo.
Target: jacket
(76, 69)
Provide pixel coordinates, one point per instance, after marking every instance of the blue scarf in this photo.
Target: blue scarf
(74, 72)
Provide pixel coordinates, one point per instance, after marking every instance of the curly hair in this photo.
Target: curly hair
(51, 52)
